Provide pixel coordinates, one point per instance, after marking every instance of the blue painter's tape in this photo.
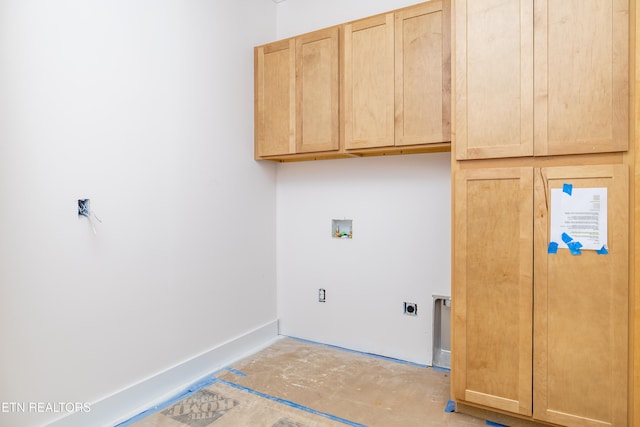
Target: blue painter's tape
(451, 406)
(566, 238)
(375, 356)
(602, 251)
(441, 369)
(553, 248)
(575, 244)
(205, 382)
(567, 188)
(235, 371)
(574, 247)
(292, 404)
(491, 423)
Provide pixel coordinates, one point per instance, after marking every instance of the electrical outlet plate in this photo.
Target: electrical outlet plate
(410, 309)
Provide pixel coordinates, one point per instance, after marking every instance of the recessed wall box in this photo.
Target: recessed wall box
(342, 228)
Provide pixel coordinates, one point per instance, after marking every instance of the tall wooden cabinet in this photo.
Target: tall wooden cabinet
(554, 84)
(493, 78)
(541, 103)
(539, 334)
(581, 317)
(493, 291)
(581, 76)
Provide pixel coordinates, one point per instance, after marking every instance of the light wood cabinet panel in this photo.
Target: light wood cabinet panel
(581, 76)
(376, 86)
(581, 309)
(544, 77)
(515, 302)
(493, 292)
(297, 95)
(423, 74)
(369, 82)
(275, 99)
(543, 85)
(494, 78)
(317, 91)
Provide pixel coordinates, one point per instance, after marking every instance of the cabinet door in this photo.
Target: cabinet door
(368, 82)
(581, 76)
(493, 78)
(317, 77)
(423, 74)
(581, 307)
(274, 114)
(493, 289)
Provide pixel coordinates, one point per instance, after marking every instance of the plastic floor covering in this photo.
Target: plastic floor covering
(295, 383)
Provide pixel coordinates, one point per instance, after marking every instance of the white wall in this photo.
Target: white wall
(146, 108)
(301, 16)
(400, 252)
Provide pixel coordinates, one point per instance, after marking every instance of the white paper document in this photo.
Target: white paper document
(579, 215)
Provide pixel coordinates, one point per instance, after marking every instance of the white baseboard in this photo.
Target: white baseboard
(133, 400)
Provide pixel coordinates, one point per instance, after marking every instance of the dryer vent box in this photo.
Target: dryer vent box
(442, 331)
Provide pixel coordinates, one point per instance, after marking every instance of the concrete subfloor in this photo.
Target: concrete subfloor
(295, 383)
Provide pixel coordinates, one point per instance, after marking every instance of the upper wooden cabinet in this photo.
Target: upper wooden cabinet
(397, 78)
(494, 78)
(368, 82)
(378, 85)
(274, 114)
(541, 78)
(423, 74)
(317, 91)
(297, 95)
(581, 76)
